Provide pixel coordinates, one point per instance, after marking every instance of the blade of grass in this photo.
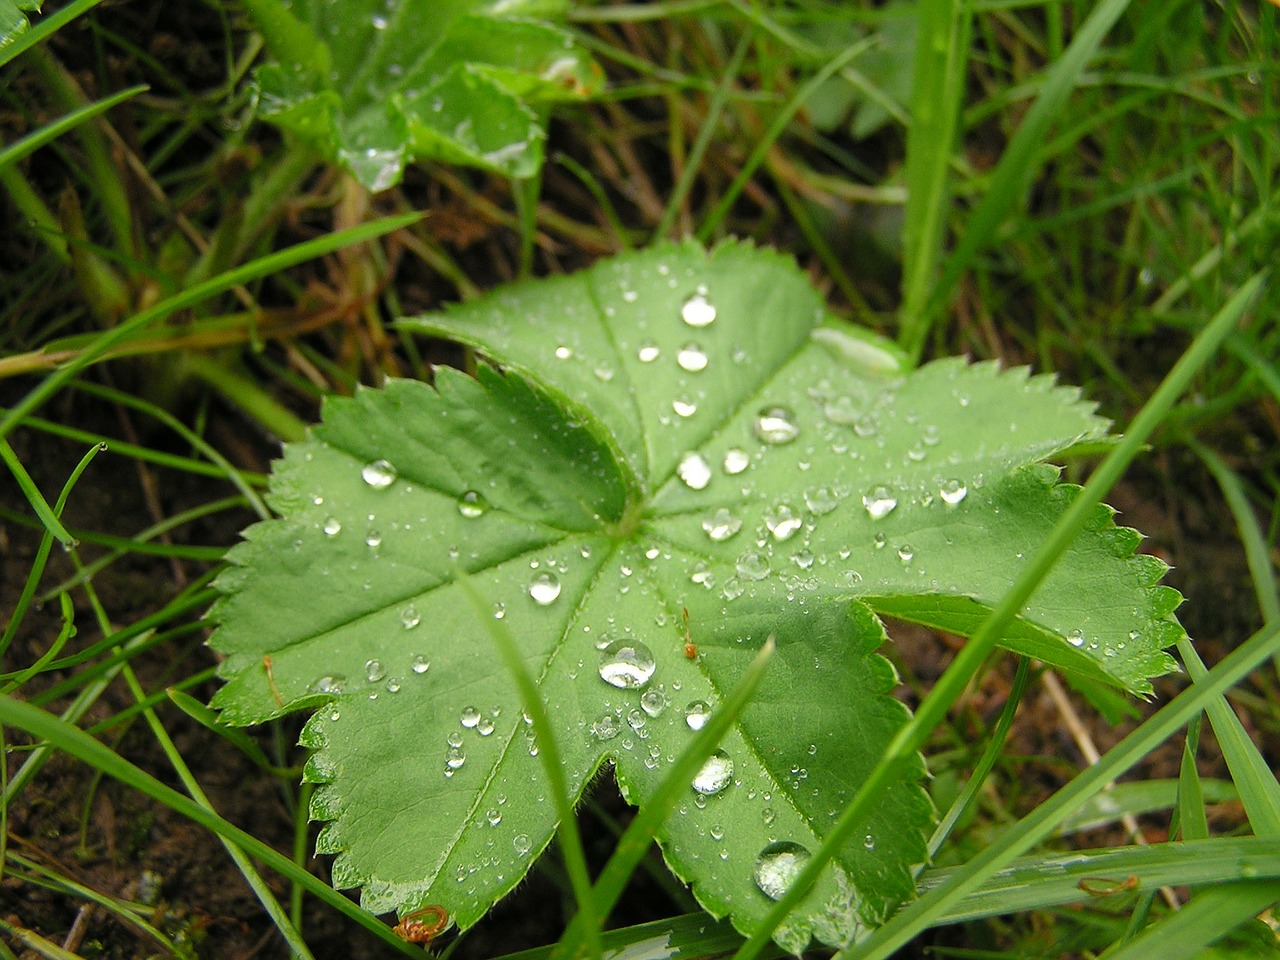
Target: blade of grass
(1204, 921)
(51, 131)
(68, 738)
(261, 267)
(34, 497)
(933, 709)
(46, 27)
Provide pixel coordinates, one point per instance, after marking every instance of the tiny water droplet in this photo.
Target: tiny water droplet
(696, 714)
(735, 461)
(879, 503)
(752, 566)
(684, 407)
(499, 611)
(564, 353)
(768, 816)
(627, 664)
(332, 527)
(378, 474)
(777, 867)
(714, 775)
(544, 589)
(803, 559)
(469, 717)
(842, 410)
(471, 505)
(604, 374)
(393, 685)
(694, 471)
(493, 816)
(952, 492)
(698, 311)
(775, 425)
(648, 352)
(410, 617)
(692, 358)
(868, 842)
(420, 665)
(721, 524)
(906, 552)
(374, 670)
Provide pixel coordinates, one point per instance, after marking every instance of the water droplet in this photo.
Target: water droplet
(768, 816)
(648, 352)
(696, 714)
(627, 664)
(733, 589)
(684, 407)
(410, 617)
(330, 684)
(544, 589)
(952, 492)
(782, 521)
(777, 867)
(564, 353)
(393, 685)
(420, 665)
(715, 774)
(653, 702)
(454, 758)
(721, 524)
(879, 503)
(1076, 637)
(692, 358)
(803, 559)
(379, 474)
(841, 410)
(373, 538)
(717, 832)
(454, 739)
(735, 461)
(485, 726)
(880, 540)
(499, 611)
(868, 842)
(374, 670)
(493, 816)
(469, 717)
(606, 727)
(698, 311)
(694, 471)
(332, 527)
(820, 501)
(604, 374)
(472, 505)
(752, 566)
(775, 425)
(521, 843)
(906, 552)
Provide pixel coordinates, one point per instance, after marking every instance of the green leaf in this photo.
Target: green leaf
(13, 19)
(669, 430)
(373, 85)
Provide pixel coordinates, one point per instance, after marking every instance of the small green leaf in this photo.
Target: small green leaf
(675, 429)
(13, 19)
(374, 85)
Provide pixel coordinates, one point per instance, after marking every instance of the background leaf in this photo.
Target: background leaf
(673, 429)
(374, 85)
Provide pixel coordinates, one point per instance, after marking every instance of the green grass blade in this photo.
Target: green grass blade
(46, 27)
(34, 497)
(51, 131)
(933, 710)
(251, 271)
(80, 745)
(1204, 921)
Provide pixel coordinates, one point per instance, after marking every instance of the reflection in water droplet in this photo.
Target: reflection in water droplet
(696, 714)
(698, 311)
(782, 521)
(379, 474)
(879, 502)
(752, 566)
(694, 471)
(374, 670)
(420, 665)
(776, 424)
(521, 843)
(735, 461)
(721, 524)
(410, 617)
(952, 492)
(777, 867)
(692, 358)
(627, 664)
(606, 727)
(1076, 637)
(653, 702)
(820, 501)
(714, 775)
(469, 717)
(472, 505)
(544, 589)
(648, 352)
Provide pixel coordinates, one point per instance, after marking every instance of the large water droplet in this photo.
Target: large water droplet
(374, 670)
(698, 311)
(694, 471)
(544, 589)
(777, 867)
(627, 664)
(715, 774)
(776, 424)
(469, 717)
(735, 461)
(820, 501)
(692, 358)
(378, 474)
(332, 527)
(410, 617)
(696, 714)
(782, 521)
(752, 566)
(648, 352)
(684, 407)
(721, 524)
(952, 492)
(472, 505)
(879, 502)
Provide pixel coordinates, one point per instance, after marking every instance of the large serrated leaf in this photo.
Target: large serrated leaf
(672, 429)
(374, 84)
